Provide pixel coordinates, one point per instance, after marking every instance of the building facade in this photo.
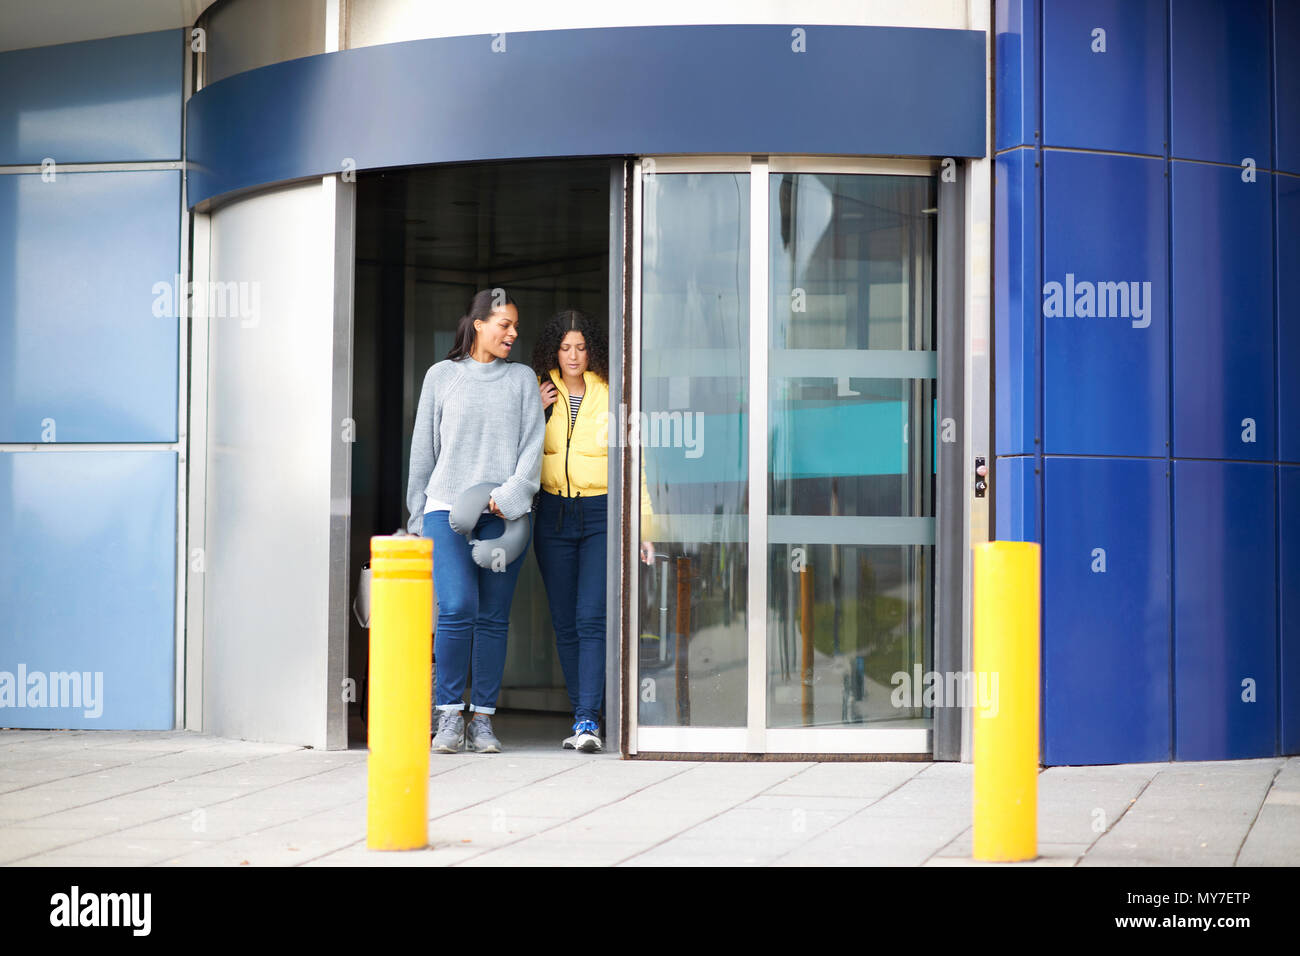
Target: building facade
(881, 283)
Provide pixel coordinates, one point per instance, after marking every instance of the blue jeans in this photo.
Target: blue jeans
(570, 540)
(473, 614)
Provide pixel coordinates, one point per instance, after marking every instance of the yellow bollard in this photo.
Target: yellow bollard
(1006, 605)
(401, 607)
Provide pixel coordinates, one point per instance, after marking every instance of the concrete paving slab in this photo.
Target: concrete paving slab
(1274, 839)
(20, 841)
(857, 780)
(127, 851)
(1049, 854)
(540, 851)
(115, 813)
(181, 799)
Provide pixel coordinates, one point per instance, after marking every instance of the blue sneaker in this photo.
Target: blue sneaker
(571, 743)
(587, 737)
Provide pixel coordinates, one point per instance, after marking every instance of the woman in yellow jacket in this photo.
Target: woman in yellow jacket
(571, 360)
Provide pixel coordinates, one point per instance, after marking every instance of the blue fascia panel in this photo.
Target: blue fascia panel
(1222, 313)
(835, 90)
(1288, 536)
(1225, 607)
(1015, 83)
(1015, 489)
(1288, 317)
(1105, 75)
(1016, 312)
(1106, 620)
(1286, 76)
(1219, 80)
(1105, 305)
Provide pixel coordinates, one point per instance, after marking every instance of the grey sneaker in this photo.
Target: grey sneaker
(450, 736)
(480, 737)
(588, 735)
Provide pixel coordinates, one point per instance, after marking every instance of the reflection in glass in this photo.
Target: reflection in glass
(851, 263)
(851, 400)
(694, 401)
(844, 622)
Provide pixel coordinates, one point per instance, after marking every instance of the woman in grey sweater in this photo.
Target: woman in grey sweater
(479, 420)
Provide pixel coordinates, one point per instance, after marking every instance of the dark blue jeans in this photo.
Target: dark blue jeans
(473, 614)
(570, 540)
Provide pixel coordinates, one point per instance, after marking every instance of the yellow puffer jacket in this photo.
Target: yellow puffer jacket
(585, 470)
(575, 460)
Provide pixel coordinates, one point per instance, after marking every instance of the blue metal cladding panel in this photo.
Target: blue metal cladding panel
(1286, 74)
(1015, 294)
(1105, 90)
(87, 585)
(1106, 647)
(1015, 490)
(597, 92)
(1105, 305)
(1225, 607)
(1288, 317)
(1016, 81)
(1222, 313)
(114, 100)
(1219, 79)
(1288, 536)
(83, 356)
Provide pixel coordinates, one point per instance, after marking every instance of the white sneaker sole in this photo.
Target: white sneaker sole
(588, 744)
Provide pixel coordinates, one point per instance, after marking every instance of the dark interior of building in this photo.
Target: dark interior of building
(427, 239)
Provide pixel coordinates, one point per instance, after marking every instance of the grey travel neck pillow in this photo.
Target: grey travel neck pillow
(492, 553)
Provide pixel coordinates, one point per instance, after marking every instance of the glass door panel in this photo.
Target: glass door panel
(692, 645)
(851, 399)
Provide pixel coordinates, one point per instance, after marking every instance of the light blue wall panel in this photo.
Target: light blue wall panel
(1105, 90)
(87, 584)
(1016, 302)
(1286, 97)
(1219, 69)
(1225, 610)
(80, 343)
(1288, 317)
(113, 100)
(1016, 62)
(1015, 490)
(1288, 536)
(1105, 322)
(1222, 313)
(1106, 639)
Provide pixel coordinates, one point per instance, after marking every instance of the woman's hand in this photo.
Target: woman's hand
(492, 507)
(648, 552)
(549, 394)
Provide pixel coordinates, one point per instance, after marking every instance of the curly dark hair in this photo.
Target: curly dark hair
(560, 324)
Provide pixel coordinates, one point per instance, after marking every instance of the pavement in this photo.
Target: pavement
(114, 798)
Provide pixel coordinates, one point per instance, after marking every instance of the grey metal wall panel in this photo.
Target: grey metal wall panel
(269, 470)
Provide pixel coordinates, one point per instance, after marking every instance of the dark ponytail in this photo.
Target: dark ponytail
(484, 303)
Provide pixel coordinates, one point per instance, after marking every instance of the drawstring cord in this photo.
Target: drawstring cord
(567, 505)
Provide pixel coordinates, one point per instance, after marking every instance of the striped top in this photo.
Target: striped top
(574, 402)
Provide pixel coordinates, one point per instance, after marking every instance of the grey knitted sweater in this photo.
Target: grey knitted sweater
(476, 422)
